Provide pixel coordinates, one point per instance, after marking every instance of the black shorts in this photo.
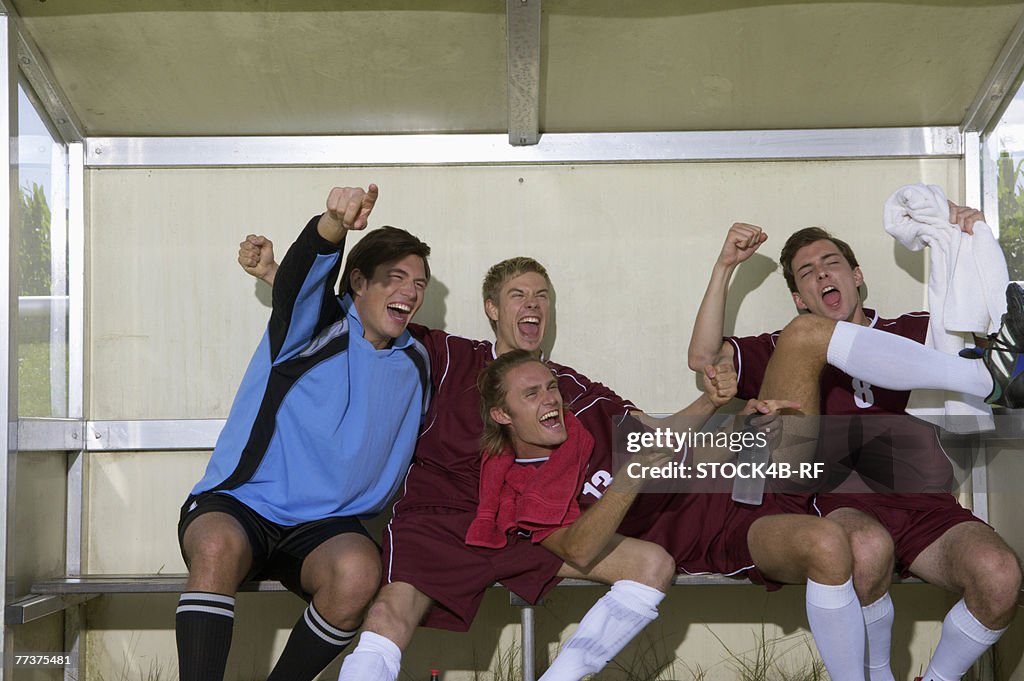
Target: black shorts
(277, 550)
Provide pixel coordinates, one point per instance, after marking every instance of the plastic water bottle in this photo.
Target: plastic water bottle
(750, 489)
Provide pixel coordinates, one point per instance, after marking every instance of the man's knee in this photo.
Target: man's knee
(994, 579)
(873, 552)
(807, 334)
(826, 551)
(216, 546)
(350, 576)
(219, 555)
(659, 569)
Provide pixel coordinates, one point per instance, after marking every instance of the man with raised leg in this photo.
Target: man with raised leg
(873, 363)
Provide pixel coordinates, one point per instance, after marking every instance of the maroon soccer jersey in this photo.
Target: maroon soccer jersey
(841, 394)
(904, 453)
(446, 465)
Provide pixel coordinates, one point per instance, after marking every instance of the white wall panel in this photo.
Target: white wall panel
(628, 247)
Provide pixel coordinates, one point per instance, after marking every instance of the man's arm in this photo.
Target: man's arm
(304, 301)
(583, 543)
(706, 346)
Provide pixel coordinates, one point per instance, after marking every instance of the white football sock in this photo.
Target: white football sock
(898, 363)
(838, 628)
(605, 630)
(878, 619)
(963, 641)
(376, 657)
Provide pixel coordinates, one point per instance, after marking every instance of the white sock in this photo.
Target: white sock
(838, 629)
(605, 630)
(898, 363)
(878, 619)
(376, 657)
(963, 641)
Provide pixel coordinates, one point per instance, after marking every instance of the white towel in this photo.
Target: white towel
(965, 293)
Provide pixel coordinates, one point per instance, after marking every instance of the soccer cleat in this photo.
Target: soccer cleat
(1004, 355)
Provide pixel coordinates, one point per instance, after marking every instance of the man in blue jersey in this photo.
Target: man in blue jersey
(320, 434)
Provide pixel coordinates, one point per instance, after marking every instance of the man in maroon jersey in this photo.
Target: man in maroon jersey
(440, 494)
(534, 454)
(932, 536)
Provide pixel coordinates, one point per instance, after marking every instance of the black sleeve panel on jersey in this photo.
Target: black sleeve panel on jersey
(433, 340)
(750, 358)
(292, 274)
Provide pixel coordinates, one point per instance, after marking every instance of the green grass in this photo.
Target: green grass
(34, 379)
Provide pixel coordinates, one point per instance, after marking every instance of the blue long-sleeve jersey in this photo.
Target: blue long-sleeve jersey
(323, 424)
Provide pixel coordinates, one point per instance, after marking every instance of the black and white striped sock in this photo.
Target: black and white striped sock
(203, 623)
(312, 645)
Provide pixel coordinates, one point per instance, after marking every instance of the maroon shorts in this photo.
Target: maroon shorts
(426, 548)
(707, 533)
(913, 520)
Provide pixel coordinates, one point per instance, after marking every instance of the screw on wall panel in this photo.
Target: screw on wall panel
(949, 141)
(61, 121)
(26, 60)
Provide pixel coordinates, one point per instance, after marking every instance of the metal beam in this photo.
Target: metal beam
(118, 436)
(523, 55)
(8, 337)
(37, 72)
(999, 85)
(36, 606)
(477, 149)
(50, 435)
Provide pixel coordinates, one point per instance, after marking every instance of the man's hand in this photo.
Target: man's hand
(765, 416)
(719, 383)
(964, 217)
(348, 208)
(740, 243)
(256, 256)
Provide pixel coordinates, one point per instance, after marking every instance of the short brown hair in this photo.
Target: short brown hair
(491, 384)
(505, 270)
(379, 246)
(806, 237)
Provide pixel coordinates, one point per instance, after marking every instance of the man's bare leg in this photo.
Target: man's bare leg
(798, 548)
(795, 369)
(387, 631)
(970, 558)
(219, 557)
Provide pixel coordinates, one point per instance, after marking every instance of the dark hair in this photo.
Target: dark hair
(379, 246)
(491, 384)
(505, 270)
(806, 237)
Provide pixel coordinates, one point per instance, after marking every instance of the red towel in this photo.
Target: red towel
(540, 499)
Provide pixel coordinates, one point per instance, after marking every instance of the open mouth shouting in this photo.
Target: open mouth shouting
(400, 312)
(529, 328)
(552, 420)
(831, 297)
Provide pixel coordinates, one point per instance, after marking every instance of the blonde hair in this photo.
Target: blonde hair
(505, 270)
(493, 390)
